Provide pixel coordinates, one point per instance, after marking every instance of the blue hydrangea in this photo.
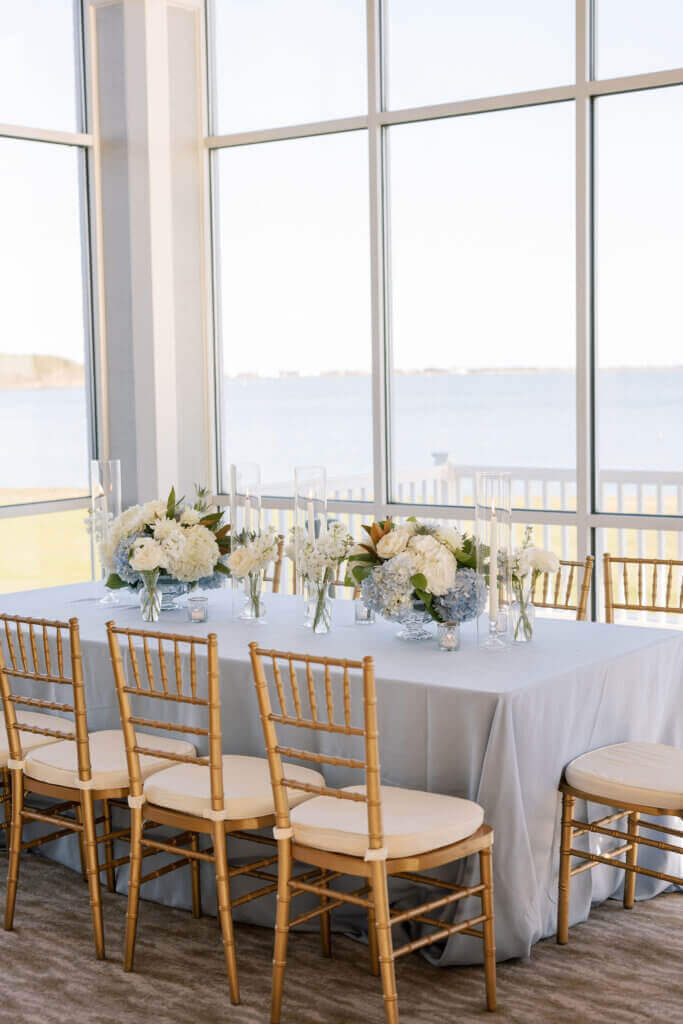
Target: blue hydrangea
(465, 600)
(388, 590)
(216, 580)
(122, 562)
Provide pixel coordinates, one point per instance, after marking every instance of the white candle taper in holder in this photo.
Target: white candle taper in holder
(493, 531)
(493, 567)
(310, 509)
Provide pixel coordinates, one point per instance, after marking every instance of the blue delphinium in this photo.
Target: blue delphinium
(464, 601)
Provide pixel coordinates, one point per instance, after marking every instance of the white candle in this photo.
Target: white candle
(493, 569)
(311, 516)
(247, 513)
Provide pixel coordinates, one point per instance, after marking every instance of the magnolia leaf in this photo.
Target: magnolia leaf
(114, 582)
(370, 557)
(219, 567)
(212, 519)
(170, 504)
(223, 531)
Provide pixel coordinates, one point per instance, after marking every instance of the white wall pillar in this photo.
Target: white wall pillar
(148, 112)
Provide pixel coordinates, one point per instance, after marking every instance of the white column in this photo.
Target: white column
(147, 92)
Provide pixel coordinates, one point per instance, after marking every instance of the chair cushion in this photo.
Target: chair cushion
(649, 774)
(414, 822)
(58, 763)
(246, 787)
(30, 740)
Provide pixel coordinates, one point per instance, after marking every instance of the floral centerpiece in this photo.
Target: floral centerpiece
(317, 561)
(252, 554)
(527, 564)
(170, 541)
(415, 572)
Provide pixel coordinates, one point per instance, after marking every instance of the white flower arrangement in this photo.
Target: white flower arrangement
(188, 543)
(254, 555)
(526, 565)
(320, 556)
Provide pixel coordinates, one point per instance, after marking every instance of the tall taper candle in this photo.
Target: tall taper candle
(493, 567)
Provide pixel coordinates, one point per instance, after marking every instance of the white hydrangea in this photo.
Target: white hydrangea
(435, 562)
(255, 556)
(190, 516)
(165, 528)
(198, 556)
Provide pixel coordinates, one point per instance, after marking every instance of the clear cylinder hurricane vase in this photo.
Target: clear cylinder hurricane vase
(245, 526)
(254, 609)
(310, 520)
(493, 532)
(318, 605)
(105, 506)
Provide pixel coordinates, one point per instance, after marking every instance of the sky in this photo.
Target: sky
(480, 209)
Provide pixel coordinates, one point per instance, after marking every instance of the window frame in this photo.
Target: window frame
(587, 519)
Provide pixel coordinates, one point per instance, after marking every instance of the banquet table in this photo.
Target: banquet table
(497, 727)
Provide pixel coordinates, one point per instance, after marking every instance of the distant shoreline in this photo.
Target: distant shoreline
(462, 372)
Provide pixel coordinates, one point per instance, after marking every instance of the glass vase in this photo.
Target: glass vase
(522, 611)
(105, 506)
(413, 624)
(254, 609)
(150, 596)
(318, 606)
(172, 592)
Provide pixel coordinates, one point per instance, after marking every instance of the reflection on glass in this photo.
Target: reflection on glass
(46, 550)
(450, 50)
(40, 72)
(633, 37)
(482, 314)
(294, 305)
(638, 274)
(43, 414)
(278, 63)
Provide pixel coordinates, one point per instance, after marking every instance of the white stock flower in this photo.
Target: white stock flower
(147, 555)
(435, 562)
(190, 516)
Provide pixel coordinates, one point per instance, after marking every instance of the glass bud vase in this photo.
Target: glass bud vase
(254, 606)
(150, 597)
(318, 608)
(522, 611)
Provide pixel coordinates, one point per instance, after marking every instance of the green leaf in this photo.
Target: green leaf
(364, 558)
(114, 582)
(212, 519)
(360, 572)
(419, 581)
(170, 504)
(219, 567)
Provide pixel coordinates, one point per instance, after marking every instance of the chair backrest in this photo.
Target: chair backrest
(40, 657)
(646, 584)
(570, 588)
(172, 690)
(277, 566)
(305, 710)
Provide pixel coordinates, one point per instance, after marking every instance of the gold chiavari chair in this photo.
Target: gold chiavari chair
(215, 795)
(74, 767)
(274, 580)
(634, 778)
(648, 585)
(561, 594)
(370, 831)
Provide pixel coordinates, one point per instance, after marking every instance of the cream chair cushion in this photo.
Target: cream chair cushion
(650, 774)
(58, 763)
(247, 788)
(414, 822)
(31, 740)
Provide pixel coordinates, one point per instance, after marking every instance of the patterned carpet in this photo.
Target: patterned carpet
(620, 966)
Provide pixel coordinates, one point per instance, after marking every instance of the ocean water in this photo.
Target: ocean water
(506, 419)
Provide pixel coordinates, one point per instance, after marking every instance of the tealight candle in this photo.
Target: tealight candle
(198, 608)
(364, 616)
(449, 636)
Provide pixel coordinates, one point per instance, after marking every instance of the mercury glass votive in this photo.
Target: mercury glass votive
(448, 635)
(197, 608)
(363, 616)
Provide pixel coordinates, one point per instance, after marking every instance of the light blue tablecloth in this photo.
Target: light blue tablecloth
(497, 728)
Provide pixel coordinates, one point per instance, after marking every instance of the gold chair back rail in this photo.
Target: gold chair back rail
(648, 585)
(571, 576)
(45, 625)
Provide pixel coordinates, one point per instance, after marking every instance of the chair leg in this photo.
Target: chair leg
(6, 803)
(93, 870)
(14, 846)
(196, 887)
(325, 937)
(380, 896)
(631, 858)
(133, 886)
(81, 843)
(108, 846)
(486, 868)
(565, 869)
(225, 908)
(284, 874)
(372, 942)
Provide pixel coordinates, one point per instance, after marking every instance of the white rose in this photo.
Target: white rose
(147, 555)
(165, 528)
(543, 561)
(449, 536)
(435, 562)
(242, 561)
(190, 516)
(392, 544)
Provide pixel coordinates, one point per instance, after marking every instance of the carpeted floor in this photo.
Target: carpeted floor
(619, 967)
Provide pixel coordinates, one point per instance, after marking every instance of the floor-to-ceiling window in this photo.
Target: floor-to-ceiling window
(449, 236)
(46, 395)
